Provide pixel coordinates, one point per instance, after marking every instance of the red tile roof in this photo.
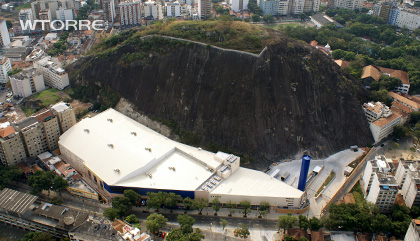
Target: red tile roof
(7, 131)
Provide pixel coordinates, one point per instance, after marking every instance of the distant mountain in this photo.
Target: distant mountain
(271, 106)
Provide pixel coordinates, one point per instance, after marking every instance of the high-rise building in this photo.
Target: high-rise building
(5, 68)
(26, 15)
(45, 15)
(109, 9)
(4, 34)
(413, 232)
(130, 13)
(349, 4)
(65, 114)
(411, 187)
(64, 14)
(54, 76)
(173, 9)
(12, 150)
(238, 5)
(153, 9)
(50, 127)
(204, 8)
(27, 82)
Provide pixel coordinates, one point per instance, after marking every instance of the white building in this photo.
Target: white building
(27, 82)
(403, 167)
(5, 68)
(130, 13)
(376, 110)
(238, 5)
(54, 76)
(384, 126)
(24, 16)
(349, 4)
(64, 14)
(152, 8)
(204, 8)
(379, 187)
(173, 9)
(4, 34)
(297, 6)
(407, 18)
(65, 114)
(411, 187)
(113, 152)
(413, 232)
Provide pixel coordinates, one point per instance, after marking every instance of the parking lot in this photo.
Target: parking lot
(336, 163)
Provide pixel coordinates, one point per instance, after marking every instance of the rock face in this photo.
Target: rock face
(288, 99)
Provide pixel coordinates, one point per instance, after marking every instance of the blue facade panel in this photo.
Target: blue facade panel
(306, 161)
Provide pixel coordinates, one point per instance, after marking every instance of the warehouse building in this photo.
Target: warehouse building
(113, 152)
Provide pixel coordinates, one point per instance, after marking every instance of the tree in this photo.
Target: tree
(243, 230)
(122, 205)
(287, 221)
(56, 200)
(200, 204)
(133, 196)
(186, 222)
(268, 18)
(38, 236)
(381, 224)
(155, 221)
(188, 204)
(111, 213)
(230, 206)
(289, 238)
(302, 16)
(41, 180)
(178, 235)
(400, 132)
(303, 222)
(315, 224)
(224, 223)
(215, 205)
(60, 183)
(303, 239)
(246, 207)
(256, 18)
(263, 208)
(131, 219)
(171, 200)
(155, 200)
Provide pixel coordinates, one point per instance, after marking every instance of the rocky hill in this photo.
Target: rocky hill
(289, 98)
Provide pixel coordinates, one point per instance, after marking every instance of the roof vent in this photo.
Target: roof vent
(172, 168)
(148, 174)
(134, 133)
(148, 149)
(111, 145)
(109, 119)
(117, 170)
(200, 149)
(86, 130)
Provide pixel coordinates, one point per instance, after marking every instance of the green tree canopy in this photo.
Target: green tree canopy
(155, 221)
(133, 196)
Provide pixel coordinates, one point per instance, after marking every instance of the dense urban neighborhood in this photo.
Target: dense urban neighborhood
(210, 120)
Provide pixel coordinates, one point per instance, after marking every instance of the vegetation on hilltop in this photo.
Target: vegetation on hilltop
(225, 34)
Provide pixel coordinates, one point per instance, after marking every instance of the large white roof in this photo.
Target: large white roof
(116, 149)
(248, 182)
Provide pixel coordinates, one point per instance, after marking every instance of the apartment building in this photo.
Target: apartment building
(12, 150)
(5, 68)
(27, 82)
(26, 15)
(349, 4)
(54, 7)
(173, 9)
(130, 13)
(375, 110)
(64, 14)
(405, 100)
(45, 15)
(33, 136)
(153, 9)
(54, 76)
(408, 18)
(273, 7)
(204, 8)
(109, 9)
(403, 167)
(50, 127)
(4, 34)
(65, 114)
(311, 5)
(239, 5)
(411, 187)
(384, 126)
(379, 187)
(413, 232)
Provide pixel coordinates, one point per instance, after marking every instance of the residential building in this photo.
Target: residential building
(379, 187)
(239, 5)
(26, 15)
(296, 6)
(32, 135)
(97, 229)
(204, 8)
(129, 232)
(12, 150)
(408, 18)
(413, 232)
(45, 15)
(64, 14)
(113, 152)
(50, 127)
(153, 9)
(130, 13)
(405, 100)
(27, 82)
(403, 167)
(4, 34)
(411, 187)
(65, 114)
(383, 127)
(273, 7)
(374, 73)
(349, 4)
(5, 68)
(376, 110)
(173, 9)
(311, 5)
(54, 76)
(109, 10)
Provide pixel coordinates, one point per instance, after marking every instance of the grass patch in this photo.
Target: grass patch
(28, 111)
(47, 97)
(356, 162)
(279, 26)
(26, 5)
(358, 194)
(326, 182)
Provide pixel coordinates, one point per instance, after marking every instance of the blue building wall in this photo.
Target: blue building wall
(306, 161)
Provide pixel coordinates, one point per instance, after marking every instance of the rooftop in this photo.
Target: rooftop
(384, 121)
(15, 201)
(65, 218)
(7, 131)
(371, 71)
(61, 106)
(98, 230)
(404, 100)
